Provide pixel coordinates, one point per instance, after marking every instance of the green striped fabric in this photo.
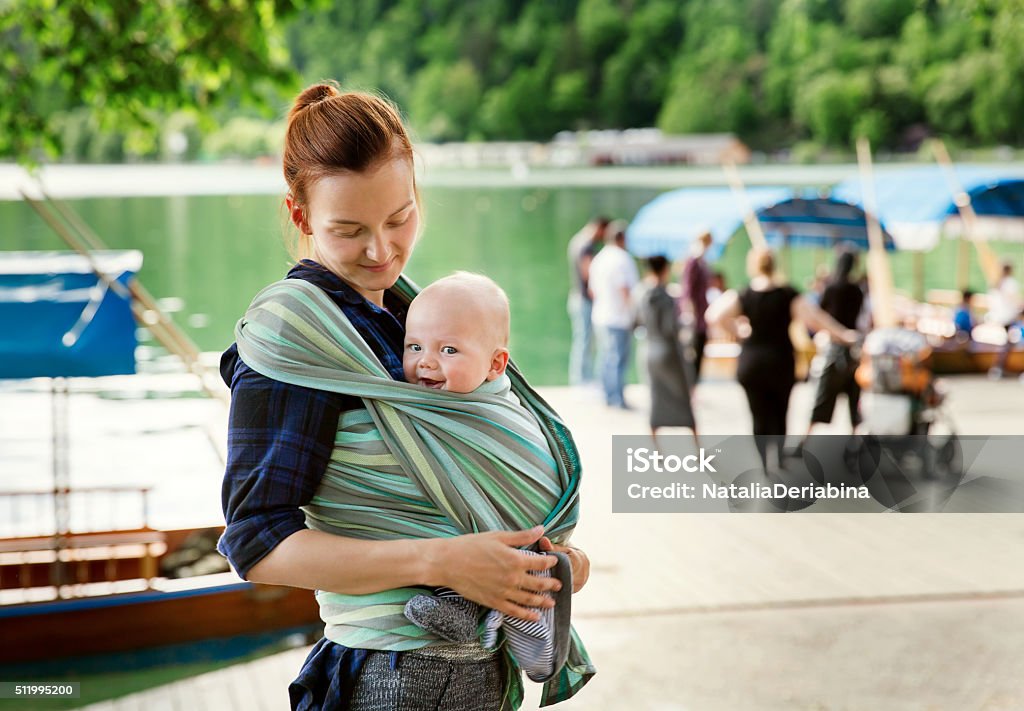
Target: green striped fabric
(416, 463)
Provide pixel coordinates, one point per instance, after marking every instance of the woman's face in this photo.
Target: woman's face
(363, 225)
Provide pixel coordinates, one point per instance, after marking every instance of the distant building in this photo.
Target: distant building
(649, 146)
(635, 146)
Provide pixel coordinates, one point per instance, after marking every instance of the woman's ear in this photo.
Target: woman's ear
(499, 361)
(297, 213)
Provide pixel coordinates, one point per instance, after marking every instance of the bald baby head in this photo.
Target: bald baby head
(457, 332)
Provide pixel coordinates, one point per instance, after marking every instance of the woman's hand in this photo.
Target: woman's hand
(488, 569)
(580, 562)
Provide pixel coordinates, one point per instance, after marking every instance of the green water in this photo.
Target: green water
(215, 252)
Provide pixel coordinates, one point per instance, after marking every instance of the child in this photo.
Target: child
(456, 339)
(456, 334)
(963, 321)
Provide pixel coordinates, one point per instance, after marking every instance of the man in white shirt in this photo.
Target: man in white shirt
(613, 274)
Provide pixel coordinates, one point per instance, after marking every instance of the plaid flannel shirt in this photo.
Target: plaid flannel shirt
(280, 437)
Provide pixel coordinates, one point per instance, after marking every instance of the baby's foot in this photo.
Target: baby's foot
(452, 619)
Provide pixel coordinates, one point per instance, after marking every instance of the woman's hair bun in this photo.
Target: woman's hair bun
(314, 95)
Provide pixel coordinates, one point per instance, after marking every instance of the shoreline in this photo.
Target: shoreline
(75, 181)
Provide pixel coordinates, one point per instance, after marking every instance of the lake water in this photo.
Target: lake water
(214, 252)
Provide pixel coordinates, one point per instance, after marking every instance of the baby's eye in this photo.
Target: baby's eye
(449, 350)
(414, 347)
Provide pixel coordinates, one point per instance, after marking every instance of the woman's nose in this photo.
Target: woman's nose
(378, 249)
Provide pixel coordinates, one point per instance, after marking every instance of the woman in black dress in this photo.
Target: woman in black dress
(766, 365)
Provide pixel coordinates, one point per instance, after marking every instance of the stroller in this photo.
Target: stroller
(903, 421)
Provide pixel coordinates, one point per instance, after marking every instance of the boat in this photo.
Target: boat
(133, 598)
(86, 584)
(952, 357)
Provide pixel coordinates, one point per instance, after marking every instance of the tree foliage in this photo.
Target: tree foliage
(773, 71)
(776, 72)
(128, 62)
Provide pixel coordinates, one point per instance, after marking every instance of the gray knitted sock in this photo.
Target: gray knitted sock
(452, 618)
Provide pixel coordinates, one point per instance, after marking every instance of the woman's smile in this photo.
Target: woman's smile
(376, 268)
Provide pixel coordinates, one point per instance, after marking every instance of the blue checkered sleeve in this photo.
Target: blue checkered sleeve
(279, 444)
(280, 437)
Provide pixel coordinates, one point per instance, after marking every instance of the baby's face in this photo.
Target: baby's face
(447, 347)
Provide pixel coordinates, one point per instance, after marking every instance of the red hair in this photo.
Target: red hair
(331, 132)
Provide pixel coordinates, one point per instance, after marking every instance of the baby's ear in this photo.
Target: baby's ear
(499, 361)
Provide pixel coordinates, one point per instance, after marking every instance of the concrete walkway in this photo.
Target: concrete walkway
(763, 612)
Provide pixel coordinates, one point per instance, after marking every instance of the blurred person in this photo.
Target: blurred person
(963, 318)
(841, 299)
(613, 274)
(696, 280)
(1005, 310)
(766, 365)
(716, 287)
(818, 284)
(580, 253)
(666, 364)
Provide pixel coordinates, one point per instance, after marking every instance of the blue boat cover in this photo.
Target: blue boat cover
(57, 319)
(913, 203)
(669, 223)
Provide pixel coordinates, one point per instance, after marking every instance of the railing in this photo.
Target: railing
(101, 545)
(49, 512)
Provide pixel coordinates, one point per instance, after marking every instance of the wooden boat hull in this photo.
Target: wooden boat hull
(176, 619)
(974, 360)
(139, 622)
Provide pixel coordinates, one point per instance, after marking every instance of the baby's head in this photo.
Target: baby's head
(456, 334)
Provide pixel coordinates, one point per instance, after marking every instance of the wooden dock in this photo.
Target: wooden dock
(259, 685)
(772, 613)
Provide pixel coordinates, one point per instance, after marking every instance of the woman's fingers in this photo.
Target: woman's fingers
(518, 539)
(511, 609)
(526, 598)
(526, 605)
(579, 560)
(538, 562)
(489, 568)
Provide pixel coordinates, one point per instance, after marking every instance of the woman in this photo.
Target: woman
(842, 299)
(352, 195)
(766, 365)
(666, 364)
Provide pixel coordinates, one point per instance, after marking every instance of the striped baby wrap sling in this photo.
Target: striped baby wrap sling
(416, 463)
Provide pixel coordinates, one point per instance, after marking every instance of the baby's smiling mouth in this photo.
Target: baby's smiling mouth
(428, 383)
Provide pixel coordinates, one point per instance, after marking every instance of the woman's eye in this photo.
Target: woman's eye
(449, 350)
(398, 223)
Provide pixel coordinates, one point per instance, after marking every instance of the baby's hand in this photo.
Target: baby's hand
(580, 561)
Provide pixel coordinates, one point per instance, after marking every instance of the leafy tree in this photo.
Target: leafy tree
(634, 79)
(777, 72)
(830, 104)
(445, 100)
(127, 60)
(877, 18)
(601, 25)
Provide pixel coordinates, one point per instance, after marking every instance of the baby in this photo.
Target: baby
(456, 334)
(456, 339)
